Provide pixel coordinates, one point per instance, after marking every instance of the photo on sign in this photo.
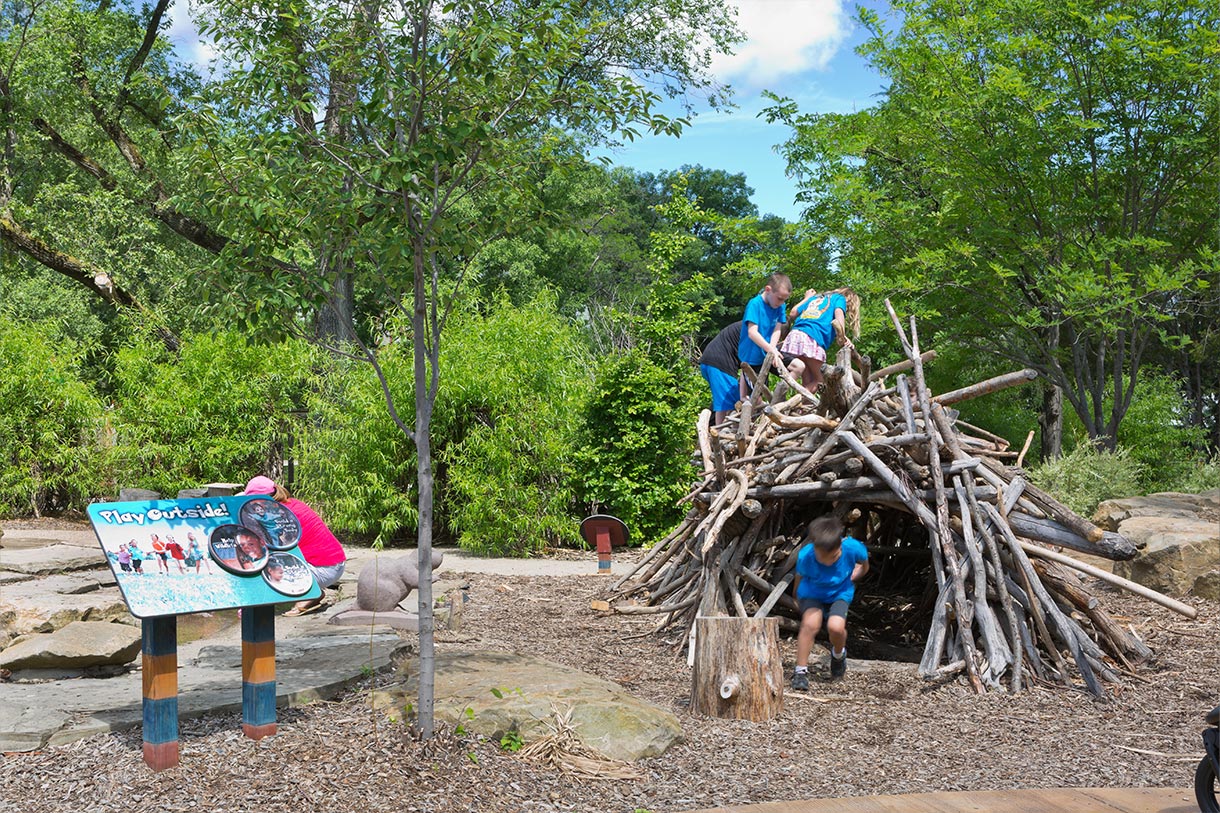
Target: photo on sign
(288, 574)
(238, 549)
(272, 521)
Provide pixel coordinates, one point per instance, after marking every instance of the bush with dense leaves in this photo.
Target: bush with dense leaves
(53, 433)
(216, 411)
(1086, 475)
(515, 384)
(639, 436)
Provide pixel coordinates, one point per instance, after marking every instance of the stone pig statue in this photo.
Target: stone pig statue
(385, 582)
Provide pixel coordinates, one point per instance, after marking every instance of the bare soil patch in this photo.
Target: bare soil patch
(880, 731)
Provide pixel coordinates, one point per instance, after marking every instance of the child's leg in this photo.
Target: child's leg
(836, 627)
(811, 622)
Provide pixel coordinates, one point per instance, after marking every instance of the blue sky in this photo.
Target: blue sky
(801, 49)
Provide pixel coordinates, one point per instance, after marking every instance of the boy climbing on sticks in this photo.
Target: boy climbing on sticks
(827, 569)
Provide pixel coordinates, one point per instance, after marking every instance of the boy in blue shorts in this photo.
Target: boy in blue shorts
(827, 570)
(719, 366)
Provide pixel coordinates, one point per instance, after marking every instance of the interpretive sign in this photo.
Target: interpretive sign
(187, 556)
(172, 557)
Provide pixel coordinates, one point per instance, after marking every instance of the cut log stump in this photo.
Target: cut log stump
(738, 673)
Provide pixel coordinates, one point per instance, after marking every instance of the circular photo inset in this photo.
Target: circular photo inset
(238, 549)
(272, 521)
(288, 574)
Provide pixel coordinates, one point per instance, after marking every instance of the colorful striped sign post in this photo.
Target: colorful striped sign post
(160, 644)
(258, 672)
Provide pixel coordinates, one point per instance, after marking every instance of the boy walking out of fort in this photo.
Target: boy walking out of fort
(827, 569)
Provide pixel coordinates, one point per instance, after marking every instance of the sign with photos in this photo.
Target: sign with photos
(212, 553)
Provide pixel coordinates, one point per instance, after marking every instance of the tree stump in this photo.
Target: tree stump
(738, 672)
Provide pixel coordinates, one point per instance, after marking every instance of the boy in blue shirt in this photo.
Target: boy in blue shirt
(760, 327)
(827, 570)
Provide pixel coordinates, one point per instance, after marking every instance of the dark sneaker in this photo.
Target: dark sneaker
(838, 667)
(800, 681)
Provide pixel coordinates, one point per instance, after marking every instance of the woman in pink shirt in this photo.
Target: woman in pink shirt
(320, 548)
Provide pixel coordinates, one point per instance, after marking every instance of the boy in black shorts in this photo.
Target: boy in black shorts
(827, 569)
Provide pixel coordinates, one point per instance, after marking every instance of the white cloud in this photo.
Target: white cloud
(784, 37)
(190, 46)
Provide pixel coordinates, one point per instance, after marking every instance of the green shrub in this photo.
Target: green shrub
(215, 411)
(1085, 476)
(355, 463)
(1201, 475)
(514, 384)
(52, 432)
(1154, 432)
(638, 439)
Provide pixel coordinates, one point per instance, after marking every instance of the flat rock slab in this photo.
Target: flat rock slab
(496, 692)
(317, 665)
(1112, 513)
(58, 558)
(49, 603)
(78, 645)
(395, 619)
(1037, 800)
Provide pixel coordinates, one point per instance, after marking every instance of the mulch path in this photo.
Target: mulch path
(881, 731)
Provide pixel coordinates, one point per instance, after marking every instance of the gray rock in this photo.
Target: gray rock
(78, 645)
(47, 604)
(395, 619)
(387, 580)
(192, 493)
(42, 561)
(1112, 513)
(1176, 554)
(137, 494)
(509, 692)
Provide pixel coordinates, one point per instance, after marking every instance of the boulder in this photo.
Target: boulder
(1112, 513)
(492, 693)
(1177, 556)
(78, 645)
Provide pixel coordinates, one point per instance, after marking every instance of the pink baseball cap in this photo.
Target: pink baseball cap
(260, 485)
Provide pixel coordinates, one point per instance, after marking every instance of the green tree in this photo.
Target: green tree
(457, 107)
(1052, 164)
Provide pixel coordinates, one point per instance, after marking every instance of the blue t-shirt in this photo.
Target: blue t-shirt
(766, 317)
(816, 319)
(828, 583)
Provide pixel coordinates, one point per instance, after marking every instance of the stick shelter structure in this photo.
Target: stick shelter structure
(895, 462)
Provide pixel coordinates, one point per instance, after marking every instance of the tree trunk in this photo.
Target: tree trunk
(1050, 419)
(424, 398)
(738, 672)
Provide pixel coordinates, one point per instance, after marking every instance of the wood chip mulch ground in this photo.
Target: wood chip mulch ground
(881, 731)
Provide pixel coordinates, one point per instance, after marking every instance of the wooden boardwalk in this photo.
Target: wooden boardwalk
(1049, 800)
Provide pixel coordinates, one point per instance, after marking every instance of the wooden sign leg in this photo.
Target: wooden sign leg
(160, 665)
(258, 671)
(603, 550)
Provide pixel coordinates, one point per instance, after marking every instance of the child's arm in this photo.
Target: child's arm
(859, 570)
(796, 309)
(840, 325)
(763, 344)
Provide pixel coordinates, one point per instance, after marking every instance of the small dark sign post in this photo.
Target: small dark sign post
(172, 557)
(604, 532)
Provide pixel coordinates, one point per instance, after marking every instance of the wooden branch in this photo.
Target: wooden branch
(1118, 581)
(901, 366)
(991, 385)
